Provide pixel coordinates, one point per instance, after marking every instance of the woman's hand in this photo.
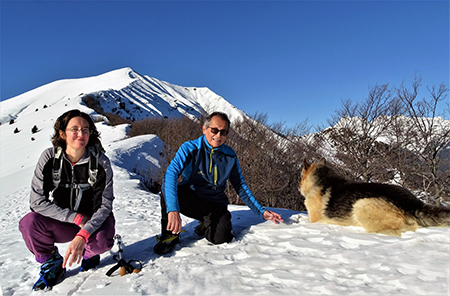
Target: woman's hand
(74, 251)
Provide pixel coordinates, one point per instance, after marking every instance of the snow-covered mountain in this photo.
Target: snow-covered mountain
(123, 92)
(292, 258)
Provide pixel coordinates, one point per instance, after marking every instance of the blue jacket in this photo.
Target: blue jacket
(207, 170)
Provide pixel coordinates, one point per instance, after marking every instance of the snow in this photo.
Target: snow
(293, 258)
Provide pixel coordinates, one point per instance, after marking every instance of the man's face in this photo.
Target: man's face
(217, 132)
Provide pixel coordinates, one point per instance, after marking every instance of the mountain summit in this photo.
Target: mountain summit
(124, 92)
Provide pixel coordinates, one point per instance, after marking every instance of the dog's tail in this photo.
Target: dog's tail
(433, 216)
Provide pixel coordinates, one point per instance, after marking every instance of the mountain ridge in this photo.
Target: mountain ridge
(124, 92)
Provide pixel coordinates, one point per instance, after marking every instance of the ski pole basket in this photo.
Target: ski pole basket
(131, 266)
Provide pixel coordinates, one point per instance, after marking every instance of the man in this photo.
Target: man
(205, 165)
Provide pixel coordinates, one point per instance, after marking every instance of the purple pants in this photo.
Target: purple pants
(41, 233)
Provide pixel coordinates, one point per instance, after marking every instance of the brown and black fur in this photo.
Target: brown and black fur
(383, 208)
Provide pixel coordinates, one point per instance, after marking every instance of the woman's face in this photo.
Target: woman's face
(76, 134)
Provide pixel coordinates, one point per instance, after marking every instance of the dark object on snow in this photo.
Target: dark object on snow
(90, 263)
(34, 129)
(166, 243)
(125, 267)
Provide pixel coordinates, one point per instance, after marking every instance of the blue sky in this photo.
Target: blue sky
(290, 59)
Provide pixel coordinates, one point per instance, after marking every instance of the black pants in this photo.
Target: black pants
(215, 216)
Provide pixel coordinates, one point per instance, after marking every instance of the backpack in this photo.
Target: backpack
(93, 166)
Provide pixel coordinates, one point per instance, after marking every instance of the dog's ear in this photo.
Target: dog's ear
(306, 165)
(322, 161)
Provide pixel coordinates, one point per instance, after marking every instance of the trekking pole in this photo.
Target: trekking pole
(125, 267)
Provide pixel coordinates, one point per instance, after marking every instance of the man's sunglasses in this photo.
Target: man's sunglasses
(222, 132)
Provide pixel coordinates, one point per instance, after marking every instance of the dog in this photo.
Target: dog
(378, 208)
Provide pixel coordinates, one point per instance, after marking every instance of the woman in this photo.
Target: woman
(71, 201)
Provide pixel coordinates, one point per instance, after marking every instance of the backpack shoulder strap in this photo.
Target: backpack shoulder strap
(93, 164)
(57, 166)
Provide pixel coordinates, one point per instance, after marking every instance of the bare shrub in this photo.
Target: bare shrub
(172, 131)
(428, 136)
(115, 119)
(93, 103)
(355, 133)
(270, 160)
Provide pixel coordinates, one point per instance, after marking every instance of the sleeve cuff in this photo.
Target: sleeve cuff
(78, 219)
(83, 234)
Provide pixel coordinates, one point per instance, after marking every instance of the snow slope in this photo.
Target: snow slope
(292, 258)
(125, 93)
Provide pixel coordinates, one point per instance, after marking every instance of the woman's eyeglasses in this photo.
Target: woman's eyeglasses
(84, 131)
(222, 132)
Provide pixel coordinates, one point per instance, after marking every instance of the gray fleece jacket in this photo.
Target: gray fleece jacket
(73, 195)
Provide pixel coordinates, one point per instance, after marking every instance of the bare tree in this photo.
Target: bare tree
(269, 161)
(355, 133)
(428, 135)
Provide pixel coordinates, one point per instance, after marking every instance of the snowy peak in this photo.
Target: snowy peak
(124, 92)
(149, 97)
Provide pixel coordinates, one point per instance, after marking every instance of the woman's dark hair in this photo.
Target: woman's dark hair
(61, 125)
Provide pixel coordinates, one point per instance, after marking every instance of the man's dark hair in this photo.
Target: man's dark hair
(222, 116)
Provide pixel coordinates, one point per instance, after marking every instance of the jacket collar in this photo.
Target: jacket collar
(83, 158)
(209, 146)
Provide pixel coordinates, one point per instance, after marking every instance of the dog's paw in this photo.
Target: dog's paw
(300, 218)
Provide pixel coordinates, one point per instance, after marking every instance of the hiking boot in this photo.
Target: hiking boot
(51, 273)
(200, 230)
(166, 243)
(92, 262)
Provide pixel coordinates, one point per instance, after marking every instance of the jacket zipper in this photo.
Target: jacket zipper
(210, 166)
(72, 188)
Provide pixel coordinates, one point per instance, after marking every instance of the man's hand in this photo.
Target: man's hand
(276, 218)
(74, 251)
(174, 223)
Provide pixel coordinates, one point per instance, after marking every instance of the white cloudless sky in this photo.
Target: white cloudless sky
(291, 60)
